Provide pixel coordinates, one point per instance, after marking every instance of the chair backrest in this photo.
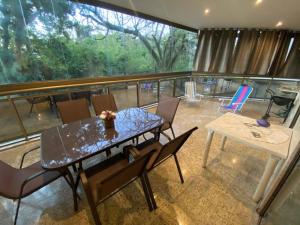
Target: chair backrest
(240, 97)
(104, 102)
(171, 148)
(60, 98)
(119, 178)
(73, 110)
(82, 94)
(167, 108)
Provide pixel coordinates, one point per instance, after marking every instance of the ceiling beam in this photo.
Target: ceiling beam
(131, 12)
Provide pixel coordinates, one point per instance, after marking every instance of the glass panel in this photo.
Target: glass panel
(180, 88)
(285, 208)
(259, 87)
(59, 39)
(166, 88)
(125, 95)
(205, 85)
(10, 128)
(226, 87)
(278, 87)
(37, 114)
(148, 92)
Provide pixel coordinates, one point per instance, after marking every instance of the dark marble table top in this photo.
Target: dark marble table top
(65, 145)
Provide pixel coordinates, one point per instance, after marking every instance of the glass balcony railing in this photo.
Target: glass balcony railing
(30, 110)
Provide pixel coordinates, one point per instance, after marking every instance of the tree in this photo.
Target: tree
(59, 39)
(164, 43)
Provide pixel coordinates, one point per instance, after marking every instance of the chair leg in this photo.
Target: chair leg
(146, 193)
(178, 168)
(108, 152)
(167, 136)
(150, 191)
(172, 132)
(90, 199)
(17, 211)
(31, 108)
(145, 137)
(95, 214)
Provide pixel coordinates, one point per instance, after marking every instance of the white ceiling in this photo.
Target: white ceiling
(223, 13)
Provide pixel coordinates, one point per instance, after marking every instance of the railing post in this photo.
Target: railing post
(158, 90)
(19, 119)
(138, 94)
(174, 88)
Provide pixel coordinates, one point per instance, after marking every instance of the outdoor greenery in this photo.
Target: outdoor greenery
(59, 39)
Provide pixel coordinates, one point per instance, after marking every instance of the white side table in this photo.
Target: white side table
(274, 140)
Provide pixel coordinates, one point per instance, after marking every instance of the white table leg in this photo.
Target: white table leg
(269, 170)
(224, 138)
(275, 174)
(207, 147)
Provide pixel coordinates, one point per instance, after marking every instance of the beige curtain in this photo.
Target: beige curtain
(224, 52)
(205, 50)
(291, 67)
(245, 45)
(263, 54)
(248, 52)
(281, 54)
(214, 50)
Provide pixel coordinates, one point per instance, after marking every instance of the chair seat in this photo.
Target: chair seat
(11, 179)
(100, 172)
(281, 101)
(148, 146)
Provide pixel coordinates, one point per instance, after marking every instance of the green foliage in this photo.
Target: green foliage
(57, 43)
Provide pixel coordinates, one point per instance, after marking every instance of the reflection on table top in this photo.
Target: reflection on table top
(66, 144)
(275, 139)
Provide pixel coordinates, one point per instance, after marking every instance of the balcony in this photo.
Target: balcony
(228, 182)
(232, 172)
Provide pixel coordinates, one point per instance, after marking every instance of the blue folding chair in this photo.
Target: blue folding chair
(238, 100)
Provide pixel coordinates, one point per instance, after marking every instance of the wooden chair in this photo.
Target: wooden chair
(73, 110)
(104, 102)
(16, 184)
(163, 152)
(107, 178)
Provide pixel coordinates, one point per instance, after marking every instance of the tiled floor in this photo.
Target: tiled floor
(218, 195)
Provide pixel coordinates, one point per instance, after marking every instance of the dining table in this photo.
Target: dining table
(70, 144)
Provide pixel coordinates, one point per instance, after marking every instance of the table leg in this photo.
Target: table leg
(275, 174)
(74, 189)
(269, 170)
(224, 138)
(207, 147)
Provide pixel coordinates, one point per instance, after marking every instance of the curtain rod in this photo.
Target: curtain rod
(258, 29)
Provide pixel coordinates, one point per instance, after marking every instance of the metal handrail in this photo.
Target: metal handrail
(12, 89)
